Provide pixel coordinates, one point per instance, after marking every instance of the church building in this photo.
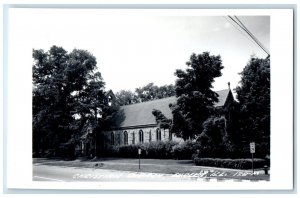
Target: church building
(136, 124)
(139, 125)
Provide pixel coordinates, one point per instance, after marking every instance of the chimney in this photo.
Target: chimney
(228, 85)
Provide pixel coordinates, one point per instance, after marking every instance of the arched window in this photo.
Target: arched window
(119, 139)
(158, 134)
(150, 136)
(170, 135)
(125, 138)
(112, 138)
(133, 138)
(141, 136)
(109, 100)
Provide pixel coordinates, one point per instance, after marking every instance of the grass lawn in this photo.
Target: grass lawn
(163, 166)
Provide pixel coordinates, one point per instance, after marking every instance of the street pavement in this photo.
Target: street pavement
(72, 174)
(43, 172)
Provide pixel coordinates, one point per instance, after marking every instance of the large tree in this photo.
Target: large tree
(253, 95)
(67, 92)
(126, 97)
(195, 95)
(153, 92)
(214, 139)
(146, 93)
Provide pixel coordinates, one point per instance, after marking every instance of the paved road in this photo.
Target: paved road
(70, 174)
(126, 170)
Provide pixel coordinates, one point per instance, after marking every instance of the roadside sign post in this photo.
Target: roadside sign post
(252, 151)
(139, 151)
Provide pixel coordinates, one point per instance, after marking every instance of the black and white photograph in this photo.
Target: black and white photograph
(147, 95)
(153, 98)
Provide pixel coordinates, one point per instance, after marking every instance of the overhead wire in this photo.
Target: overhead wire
(242, 32)
(250, 34)
(247, 31)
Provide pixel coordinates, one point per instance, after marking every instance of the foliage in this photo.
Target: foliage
(233, 125)
(254, 98)
(67, 93)
(214, 139)
(231, 163)
(186, 150)
(126, 97)
(153, 92)
(155, 150)
(162, 121)
(146, 93)
(195, 97)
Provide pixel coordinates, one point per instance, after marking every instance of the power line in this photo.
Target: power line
(250, 34)
(242, 32)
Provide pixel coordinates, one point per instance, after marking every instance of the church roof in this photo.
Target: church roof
(223, 94)
(140, 114)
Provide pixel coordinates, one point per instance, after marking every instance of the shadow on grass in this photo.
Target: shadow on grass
(186, 162)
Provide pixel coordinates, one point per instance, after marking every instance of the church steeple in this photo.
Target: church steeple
(110, 97)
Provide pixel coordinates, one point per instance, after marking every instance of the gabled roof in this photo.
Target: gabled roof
(140, 114)
(223, 94)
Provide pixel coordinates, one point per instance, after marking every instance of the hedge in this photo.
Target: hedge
(158, 150)
(186, 150)
(176, 150)
(231, 163)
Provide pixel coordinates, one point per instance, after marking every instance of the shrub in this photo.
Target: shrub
(129, 151)
(185, 150)
(158, 150)
(230, 163)
(110, 151)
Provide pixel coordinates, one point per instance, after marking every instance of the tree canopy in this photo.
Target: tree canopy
(162, 121)
(153, 92)
(196, 98)
(67, 92)
(253, 95)
(213, 138)
(126, 97)
(146, 93)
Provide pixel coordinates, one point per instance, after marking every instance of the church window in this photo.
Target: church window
(133, 138)
(141, 136)
(170, 135)
(125, 138)
(158, 134)
(112, 138)
(109, 100)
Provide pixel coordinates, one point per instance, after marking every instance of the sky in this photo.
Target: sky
(134, 48)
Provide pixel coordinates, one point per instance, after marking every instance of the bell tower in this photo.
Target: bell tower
(110, 98)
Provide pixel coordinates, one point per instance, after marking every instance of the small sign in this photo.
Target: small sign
(140, 151)
(252, 147)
